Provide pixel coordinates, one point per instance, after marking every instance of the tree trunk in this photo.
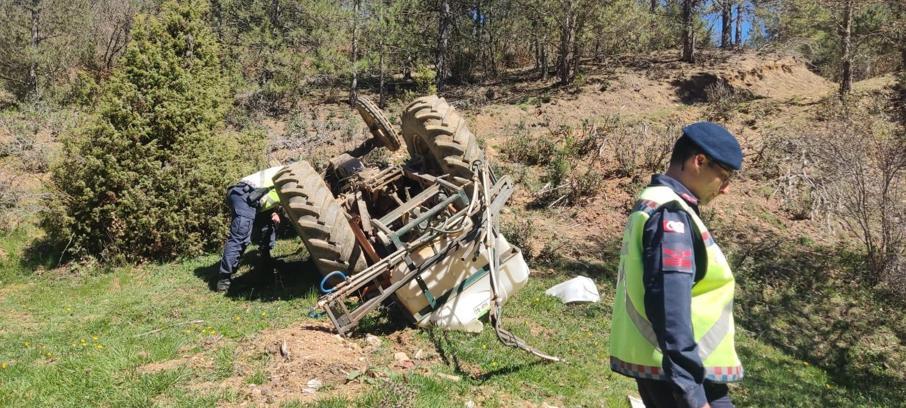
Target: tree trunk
(597, 53)
(273, 13)
(32, 80)
(726, 24)
(544, 67)
(846, 74)
(355, 51)
(567, 38)
(688, 32)
(654, 6)
(443, 41)
(536, 44)
(903, 57)
(739, 10)
(382, 100)
(577, 48)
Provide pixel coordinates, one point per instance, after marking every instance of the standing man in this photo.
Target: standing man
(253, 201)
(672, 324)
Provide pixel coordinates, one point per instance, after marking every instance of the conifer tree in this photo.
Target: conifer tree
(145, 179)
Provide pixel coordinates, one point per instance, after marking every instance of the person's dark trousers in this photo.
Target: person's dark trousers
(265, 234)
(659, 394)
(240, 229)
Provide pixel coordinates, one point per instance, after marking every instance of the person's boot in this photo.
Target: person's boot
(223, 284)
(265, 261)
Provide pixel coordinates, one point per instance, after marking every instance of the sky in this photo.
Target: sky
(713, 20)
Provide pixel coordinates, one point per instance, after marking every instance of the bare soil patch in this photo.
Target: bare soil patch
(302, 363)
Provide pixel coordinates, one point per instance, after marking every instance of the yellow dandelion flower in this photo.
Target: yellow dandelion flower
(4, 365)
(95, 338)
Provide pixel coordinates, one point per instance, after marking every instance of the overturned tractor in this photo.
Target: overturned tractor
(423, 234)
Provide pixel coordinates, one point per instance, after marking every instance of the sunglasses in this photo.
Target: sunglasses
(726, 174)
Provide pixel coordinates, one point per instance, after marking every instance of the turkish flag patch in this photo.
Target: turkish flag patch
(679, 260)
(674, 226)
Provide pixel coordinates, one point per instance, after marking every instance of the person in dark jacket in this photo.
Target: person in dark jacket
(253, 203)
(672, 319)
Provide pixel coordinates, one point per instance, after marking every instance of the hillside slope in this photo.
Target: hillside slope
(810, 334)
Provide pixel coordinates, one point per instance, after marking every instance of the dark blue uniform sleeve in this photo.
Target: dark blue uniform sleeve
(669, 263)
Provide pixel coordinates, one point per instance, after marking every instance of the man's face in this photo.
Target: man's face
(711, 179)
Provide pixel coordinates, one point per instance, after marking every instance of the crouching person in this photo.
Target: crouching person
(253, 202)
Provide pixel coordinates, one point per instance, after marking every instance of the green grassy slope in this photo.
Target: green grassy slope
(81, 340)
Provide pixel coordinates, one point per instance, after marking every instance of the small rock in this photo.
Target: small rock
(314, 383)
(470, 404)
(403, 361)
(312, 386)
(256, 392)
(372, 340)
(453, 378)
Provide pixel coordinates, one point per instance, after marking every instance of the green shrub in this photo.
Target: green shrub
(724, 100)
(569, 179)
(520, 232)
(521, 147)
(145, 179)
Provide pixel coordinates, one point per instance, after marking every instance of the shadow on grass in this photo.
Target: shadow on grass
(599, 260)
(446, 347)
(287, 277)
(388, 318)
(809, 302)
(42, 253)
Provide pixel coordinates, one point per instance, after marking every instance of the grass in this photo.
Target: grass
(83, 340)
(80, 340)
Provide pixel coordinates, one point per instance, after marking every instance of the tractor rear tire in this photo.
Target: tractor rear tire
(318, 218)
(377, 123)
(434, 131)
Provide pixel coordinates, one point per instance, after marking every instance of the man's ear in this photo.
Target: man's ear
(699, 159)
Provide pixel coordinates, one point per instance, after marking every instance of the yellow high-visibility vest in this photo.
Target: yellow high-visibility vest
(265, 179)
(634, 349)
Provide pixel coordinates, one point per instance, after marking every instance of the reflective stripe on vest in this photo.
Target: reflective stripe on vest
(713, 374)
(706, 345)
(633, 344)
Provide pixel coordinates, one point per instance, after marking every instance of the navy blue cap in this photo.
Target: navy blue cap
(716, 142)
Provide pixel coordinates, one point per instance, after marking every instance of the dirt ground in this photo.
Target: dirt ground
(304, 363)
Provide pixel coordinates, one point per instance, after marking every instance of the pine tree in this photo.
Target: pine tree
(145, 179)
